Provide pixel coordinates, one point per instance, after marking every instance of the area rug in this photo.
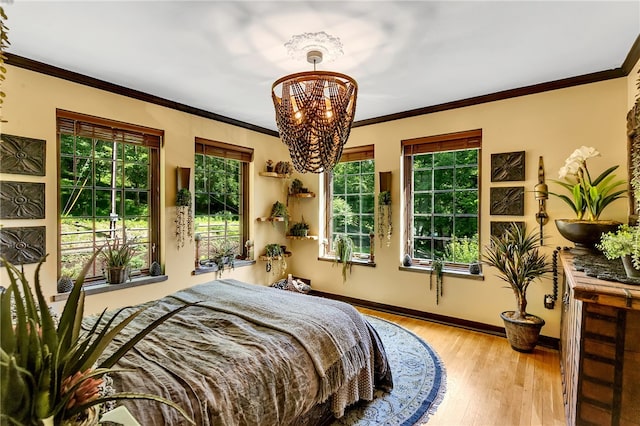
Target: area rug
(419, 381)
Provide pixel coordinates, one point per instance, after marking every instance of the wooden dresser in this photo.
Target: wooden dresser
(600, 349)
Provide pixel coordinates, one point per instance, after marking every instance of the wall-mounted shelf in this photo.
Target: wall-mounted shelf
(274, 175)
(270, 219)
(303, 195)
(265, 257)
(308, 237)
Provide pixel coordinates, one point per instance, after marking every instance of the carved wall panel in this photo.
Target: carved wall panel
(21, 200)
(508, 166)
(507, 201)
(22, 156)
(23, 245)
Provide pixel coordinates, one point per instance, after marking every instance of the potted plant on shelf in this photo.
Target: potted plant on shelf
(184, 216)
(516, 257)
(623, 244)
(279, 210)
(587, 198)
(299, 229)
(343, 247)
(275, 257)
(116, 256)
(50, 371)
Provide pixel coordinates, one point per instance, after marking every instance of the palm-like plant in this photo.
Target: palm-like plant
(516, 256)
(49, 371)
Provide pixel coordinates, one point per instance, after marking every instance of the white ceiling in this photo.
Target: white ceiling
(223, 56)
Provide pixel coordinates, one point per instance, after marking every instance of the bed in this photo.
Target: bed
(248, 355)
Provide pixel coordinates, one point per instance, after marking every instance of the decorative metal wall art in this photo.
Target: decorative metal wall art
(498, 228)
(21, 200)
(507, 201)
(23, 245)
(507, 166)
(22, 156)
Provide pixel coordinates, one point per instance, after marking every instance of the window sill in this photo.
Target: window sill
(209, 269)
(105, 287)
(458, 273)
(355, 262)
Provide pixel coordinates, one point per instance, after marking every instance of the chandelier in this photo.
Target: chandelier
(314, 109)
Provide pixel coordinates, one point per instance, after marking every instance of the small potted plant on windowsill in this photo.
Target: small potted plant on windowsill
(623, 244)
(116, 256)
(223, 255)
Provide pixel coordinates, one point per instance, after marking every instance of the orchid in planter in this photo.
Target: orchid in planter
(588, 197)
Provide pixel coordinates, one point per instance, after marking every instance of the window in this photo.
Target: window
(349, 189)
(221, 198)
(442, 197)
(109, 188)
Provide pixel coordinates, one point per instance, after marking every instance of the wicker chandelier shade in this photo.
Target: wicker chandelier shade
(314, 113)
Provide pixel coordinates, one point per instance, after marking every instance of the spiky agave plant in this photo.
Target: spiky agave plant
(516, 256)
(48, 371)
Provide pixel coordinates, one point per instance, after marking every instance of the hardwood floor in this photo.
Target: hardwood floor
(488, 383)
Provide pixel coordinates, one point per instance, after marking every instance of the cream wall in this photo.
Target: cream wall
(30, 110)
(550, 124)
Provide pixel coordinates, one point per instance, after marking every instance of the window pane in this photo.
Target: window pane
(422, 226)
(443, 226)
(368, 166)
(353, 202)
(422, 203)
(218, 203)
(467, 202)
(339, 184)
(444, 200)
(422, 180)
(445, 158)
(466, 177)
(443, 203)
(136, 176)
(94, 205)
(443, 178)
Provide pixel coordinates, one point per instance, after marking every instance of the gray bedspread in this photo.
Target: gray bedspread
(250, 355)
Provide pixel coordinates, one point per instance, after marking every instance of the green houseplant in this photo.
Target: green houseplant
(588, 197)
(275, 256)
(184, 216)
(116, 256)
(343, 247)
(623, 244)
(516, 256)
(223, 254)
(279, 210)
(299, 229)
(52, 371)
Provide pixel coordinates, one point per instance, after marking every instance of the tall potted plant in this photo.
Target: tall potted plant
(516, 257)
(51, 372)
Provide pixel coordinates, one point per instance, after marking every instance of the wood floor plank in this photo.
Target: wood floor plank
(488, 383)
